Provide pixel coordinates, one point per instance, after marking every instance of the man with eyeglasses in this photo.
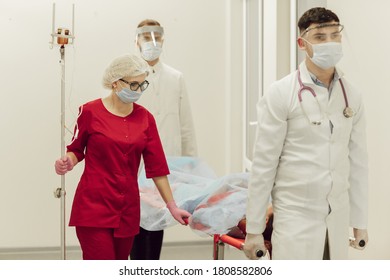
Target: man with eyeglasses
(167, 99)
(310, 154)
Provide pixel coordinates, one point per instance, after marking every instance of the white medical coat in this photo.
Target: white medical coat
(317, 177)
(166, 98)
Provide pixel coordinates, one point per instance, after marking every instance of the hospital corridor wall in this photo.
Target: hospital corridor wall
(204, 40)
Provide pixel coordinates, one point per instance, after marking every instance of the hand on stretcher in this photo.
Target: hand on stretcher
(360, 239)
(257, 245)
(177, 213)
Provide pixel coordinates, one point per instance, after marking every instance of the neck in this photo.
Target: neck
(153, 62)
(324, 75)
(116, 106)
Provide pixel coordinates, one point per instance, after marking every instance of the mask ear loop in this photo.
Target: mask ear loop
(307, 42)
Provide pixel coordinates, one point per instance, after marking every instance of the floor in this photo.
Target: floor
(176, 251)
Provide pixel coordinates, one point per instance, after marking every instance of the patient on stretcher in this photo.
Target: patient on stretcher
(217, 204)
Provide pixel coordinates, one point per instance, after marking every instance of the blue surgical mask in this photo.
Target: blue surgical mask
(151, 52)
(128, 96)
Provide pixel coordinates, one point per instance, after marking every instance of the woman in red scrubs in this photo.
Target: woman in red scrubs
(111, 135)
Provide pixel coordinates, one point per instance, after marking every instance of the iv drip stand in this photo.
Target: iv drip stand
(62, 40)
(62, 190)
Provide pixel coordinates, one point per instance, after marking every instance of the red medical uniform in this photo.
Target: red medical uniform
(107, 195)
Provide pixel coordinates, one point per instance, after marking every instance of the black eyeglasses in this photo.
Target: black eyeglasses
(136, 85)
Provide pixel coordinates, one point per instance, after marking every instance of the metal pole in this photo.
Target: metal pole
(62, 191)
(62, 39)
(72, 22)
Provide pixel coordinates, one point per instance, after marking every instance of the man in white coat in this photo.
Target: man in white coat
(167, 99)
(310, 154)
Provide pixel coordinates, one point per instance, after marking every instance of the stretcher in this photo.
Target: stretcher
(217, 204)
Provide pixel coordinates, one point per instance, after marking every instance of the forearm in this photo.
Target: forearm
(358, 178)
(73, 157)
(164, 188)
(270, 138)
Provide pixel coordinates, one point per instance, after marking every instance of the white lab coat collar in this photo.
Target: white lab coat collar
(305, 75)
(155, 68)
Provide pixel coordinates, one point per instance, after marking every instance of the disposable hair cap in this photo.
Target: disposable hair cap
(128, 65)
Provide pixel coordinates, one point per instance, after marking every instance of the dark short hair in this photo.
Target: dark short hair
(316, 15)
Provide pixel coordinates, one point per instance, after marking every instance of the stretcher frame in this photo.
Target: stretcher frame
(219, 241)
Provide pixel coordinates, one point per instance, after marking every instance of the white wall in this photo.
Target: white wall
(366, 61)
(196, 42)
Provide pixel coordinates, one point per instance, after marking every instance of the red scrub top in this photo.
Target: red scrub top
(107, 195)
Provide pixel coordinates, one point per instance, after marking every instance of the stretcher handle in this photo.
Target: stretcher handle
(362, 243)
(238, 243)
(259, 253)
(235, 242)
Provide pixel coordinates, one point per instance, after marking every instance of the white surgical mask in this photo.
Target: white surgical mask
(151, 52)
(326, 55)
(127, 96)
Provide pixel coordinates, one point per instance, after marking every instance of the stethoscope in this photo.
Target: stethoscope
(347, 112)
